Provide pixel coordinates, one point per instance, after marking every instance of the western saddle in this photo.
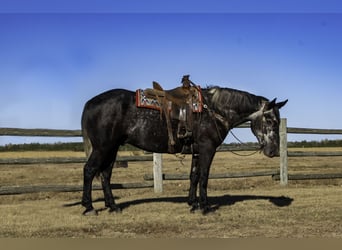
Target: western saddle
(177, 104)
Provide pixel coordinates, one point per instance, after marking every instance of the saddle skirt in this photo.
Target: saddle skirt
(145, 100)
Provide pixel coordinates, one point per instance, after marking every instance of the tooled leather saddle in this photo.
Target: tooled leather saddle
(175, 104)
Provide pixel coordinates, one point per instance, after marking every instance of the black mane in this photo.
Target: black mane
(240, 101)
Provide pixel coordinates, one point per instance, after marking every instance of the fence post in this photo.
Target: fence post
(283, 152)
(158, 172)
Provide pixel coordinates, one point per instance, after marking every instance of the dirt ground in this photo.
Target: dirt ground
(245, 207)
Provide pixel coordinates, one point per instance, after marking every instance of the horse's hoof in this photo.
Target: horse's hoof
(90, 212)
(208, 209)
(114, 209)
(194, 208)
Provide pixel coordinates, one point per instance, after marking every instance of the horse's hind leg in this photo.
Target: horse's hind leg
(98, 162)
(107, 191)
(91, 167)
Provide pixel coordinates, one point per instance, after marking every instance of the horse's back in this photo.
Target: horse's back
(112, 118)
(111, 99)
(109, 96)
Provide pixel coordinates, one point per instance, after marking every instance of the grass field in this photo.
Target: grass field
(246, 207)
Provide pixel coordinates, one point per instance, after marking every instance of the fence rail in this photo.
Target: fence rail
(66, 188)
(40, 132)
(78, 133)
(314, 131)
(149, 177)
(158, 176)
(61, 160)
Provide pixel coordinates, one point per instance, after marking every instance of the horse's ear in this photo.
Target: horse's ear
(279, 105)
(271, 104)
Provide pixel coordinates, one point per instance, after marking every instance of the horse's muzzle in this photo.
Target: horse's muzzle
(271, 151)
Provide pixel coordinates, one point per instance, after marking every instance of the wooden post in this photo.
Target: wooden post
(283, 152)
(158, 173)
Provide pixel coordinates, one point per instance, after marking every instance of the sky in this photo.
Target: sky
(53, 58)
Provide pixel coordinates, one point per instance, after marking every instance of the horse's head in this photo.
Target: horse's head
(265, 126)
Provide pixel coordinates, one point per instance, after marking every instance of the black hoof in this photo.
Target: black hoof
(90, 212)
(114, 209)
(194, 208)
(208, 209)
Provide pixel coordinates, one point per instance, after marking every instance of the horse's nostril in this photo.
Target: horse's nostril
(270, 152)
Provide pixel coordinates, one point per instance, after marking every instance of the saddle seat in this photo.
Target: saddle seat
(178, 96)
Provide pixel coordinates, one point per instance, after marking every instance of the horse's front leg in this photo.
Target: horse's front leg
(194, 178)
(205, 161)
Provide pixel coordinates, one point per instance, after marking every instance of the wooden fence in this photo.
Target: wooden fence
(284, 154)
(158, 175)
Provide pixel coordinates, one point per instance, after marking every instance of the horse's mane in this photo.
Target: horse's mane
(240, 101)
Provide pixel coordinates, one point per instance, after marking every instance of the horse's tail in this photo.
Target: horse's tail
(86, 141)
(86, 144)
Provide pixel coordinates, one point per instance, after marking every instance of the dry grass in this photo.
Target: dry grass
(247, 207)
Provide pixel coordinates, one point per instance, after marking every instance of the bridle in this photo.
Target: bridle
(217, 117)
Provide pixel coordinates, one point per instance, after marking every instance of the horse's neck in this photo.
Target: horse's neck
(235, 118)
(235, 106)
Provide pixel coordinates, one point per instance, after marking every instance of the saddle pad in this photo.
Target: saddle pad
(152, 103)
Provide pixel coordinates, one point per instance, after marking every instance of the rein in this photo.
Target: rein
(242, 143)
